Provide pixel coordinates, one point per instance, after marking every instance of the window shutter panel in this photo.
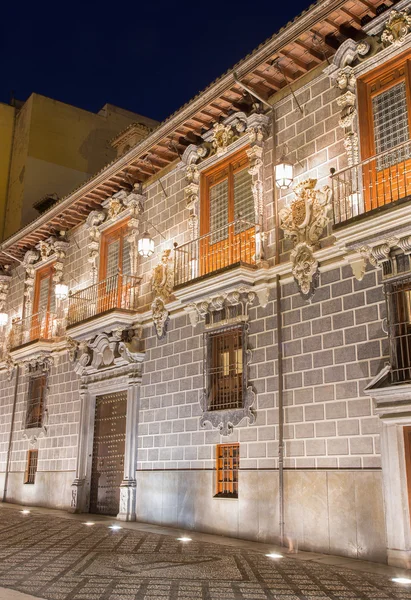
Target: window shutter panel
(219, 211)
(113, 254)
(243, 197)
(390, 115)
(43, 293)
(126, 262)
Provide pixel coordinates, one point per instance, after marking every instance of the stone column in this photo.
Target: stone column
(128, 485)
(80, 489)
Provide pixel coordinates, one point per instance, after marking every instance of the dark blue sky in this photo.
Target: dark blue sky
(149, 57)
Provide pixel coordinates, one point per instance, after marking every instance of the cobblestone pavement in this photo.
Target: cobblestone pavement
(62, 559)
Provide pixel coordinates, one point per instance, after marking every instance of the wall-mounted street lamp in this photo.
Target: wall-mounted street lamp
(284, 173)
(4, 319)
(145, 245)
(61, 291)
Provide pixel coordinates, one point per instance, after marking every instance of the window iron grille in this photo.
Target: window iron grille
(35, 402)
(391, 125)
(398, 297)
(31, 469)
(227, 467)
(225, 369)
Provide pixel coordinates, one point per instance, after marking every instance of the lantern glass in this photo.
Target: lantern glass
(145, 245)
(4, 319)
(284, 174)
(61, 291)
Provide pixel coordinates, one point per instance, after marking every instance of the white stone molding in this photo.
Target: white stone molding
(255, 156)
(134, 202)
(128, 486)
(346, 82)
(232, 306)
(39, 365)
(162, 282)
(80, 492)
(225, 420)
(304, 221)
(126, 377)
(60, 248)
(345, 56)
(393, 406)
(94, 219)
(30, 258)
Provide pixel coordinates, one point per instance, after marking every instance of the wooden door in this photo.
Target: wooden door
(226, 193)
(108, 453)
(115, 267)
(384, 98)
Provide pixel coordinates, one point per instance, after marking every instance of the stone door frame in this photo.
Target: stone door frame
(91, 387)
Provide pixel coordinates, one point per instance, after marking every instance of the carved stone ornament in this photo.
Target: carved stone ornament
(94, 219)
(106, 351)
(346, 82)
(222, 136)
(30, 258)
(4, 290)
(396, 28)
(304, 222)
(162, 282)
(46, 247)
(227, 308)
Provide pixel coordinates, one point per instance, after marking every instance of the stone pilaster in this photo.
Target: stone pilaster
(128, 485)
(80, 488)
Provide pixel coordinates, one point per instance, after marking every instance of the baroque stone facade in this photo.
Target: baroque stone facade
(301, 286)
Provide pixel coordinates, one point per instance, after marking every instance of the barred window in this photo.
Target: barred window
(35, 403)
(31, 468)
(390, 113)
(398, 294)
(227, 465)
(225, 368)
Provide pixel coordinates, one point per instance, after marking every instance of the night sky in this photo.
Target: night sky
(147, 57)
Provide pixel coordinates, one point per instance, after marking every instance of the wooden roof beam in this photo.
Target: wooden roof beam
(354, 18)
(369, 6)
(295, 60)
(315, 54)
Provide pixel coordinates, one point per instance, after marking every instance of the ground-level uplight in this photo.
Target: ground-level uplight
(89, 523)
(274, 555)
(115, 527)
(25, 512)
(404, 580)
(184, 539)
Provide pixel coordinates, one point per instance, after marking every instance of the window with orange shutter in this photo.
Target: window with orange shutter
(227, 467)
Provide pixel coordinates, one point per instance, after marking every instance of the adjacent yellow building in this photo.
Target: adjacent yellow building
(48, 148)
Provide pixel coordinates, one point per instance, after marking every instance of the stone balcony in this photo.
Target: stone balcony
(42, 332)
(107, 305)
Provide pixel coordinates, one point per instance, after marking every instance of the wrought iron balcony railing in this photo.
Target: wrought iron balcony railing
(116, 292)
(43, 325)
(238, 243)
(398, 297)
(372, 184)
